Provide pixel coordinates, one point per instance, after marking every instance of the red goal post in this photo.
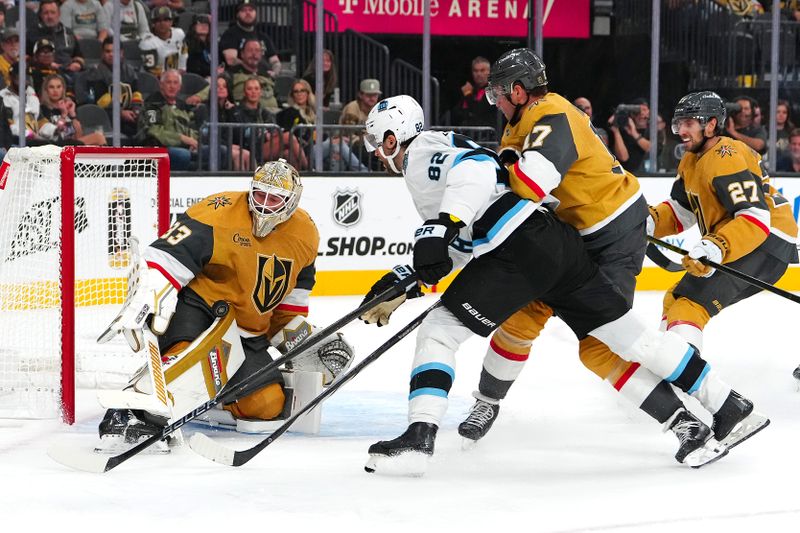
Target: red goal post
(66, 217)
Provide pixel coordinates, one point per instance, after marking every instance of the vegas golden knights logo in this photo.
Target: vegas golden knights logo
(694, 203)
(272, 281)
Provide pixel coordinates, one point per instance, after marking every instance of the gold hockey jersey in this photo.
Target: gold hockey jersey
(212, 250)
(565, 163)
(724, 191)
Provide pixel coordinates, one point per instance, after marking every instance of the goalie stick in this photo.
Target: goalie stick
(211, 449)
(730, 271)
(91, 462)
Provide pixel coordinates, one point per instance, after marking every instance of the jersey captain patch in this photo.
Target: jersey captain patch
(272, 281)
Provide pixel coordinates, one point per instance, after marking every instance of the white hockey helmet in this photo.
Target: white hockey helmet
(274, 194)
(400, 115)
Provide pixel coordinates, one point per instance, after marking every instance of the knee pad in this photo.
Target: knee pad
(264, 404)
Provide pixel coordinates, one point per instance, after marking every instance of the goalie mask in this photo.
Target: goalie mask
(274, 195)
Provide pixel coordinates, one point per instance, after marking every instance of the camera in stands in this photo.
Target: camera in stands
(732, 108)
(625, 111)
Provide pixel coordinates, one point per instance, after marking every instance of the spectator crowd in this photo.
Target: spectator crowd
(266, 110)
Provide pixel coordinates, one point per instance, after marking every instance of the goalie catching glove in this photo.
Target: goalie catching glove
(150, 293)
(332, 356)
(380, 313)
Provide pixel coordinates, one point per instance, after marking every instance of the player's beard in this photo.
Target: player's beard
(694, 146)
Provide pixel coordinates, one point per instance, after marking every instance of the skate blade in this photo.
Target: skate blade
(115, 445)
(710, 452)
(408, 464)
(745, 429)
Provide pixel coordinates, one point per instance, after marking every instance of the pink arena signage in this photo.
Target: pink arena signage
(486, 18)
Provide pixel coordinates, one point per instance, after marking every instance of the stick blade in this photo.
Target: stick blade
(211, 450)
(78, 459)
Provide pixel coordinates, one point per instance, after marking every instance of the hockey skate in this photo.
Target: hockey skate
(736, 421)
(478, 423)
(407, 455)
(697, 448)
(121, 429)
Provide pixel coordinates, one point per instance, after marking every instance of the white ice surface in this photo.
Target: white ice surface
(567, 453)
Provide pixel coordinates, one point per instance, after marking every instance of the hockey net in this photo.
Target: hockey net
(66, 218)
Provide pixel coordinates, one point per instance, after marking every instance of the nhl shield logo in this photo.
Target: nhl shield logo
(347, 207)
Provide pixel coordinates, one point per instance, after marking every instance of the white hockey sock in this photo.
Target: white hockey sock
(689, 332)
(433, 372)
(712, 392)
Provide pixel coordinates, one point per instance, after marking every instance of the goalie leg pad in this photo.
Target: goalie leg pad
(192, 317)
(264, 404)
(199, 371)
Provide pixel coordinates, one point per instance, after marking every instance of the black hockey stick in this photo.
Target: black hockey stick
(656, 256)
(210, 449)
(99, 463)
(731, 271)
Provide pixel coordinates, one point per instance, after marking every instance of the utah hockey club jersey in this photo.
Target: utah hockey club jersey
(449, 173)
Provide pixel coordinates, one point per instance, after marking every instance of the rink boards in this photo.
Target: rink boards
(366, 226)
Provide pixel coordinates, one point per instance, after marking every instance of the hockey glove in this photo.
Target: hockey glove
(153, 295)
(380, 313)
(508, 156)
(711, 248)
(432, 259)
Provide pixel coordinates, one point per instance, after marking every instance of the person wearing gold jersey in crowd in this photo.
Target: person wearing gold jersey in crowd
(554, 155)
(744, 222)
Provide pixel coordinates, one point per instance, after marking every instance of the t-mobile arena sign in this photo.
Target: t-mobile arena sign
(488, 18)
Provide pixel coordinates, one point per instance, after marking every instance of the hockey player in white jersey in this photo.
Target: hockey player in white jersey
(517, 252)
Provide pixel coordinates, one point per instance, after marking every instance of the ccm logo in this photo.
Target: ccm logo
(478, 316)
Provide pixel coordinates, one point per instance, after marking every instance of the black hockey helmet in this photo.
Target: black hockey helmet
(520, 65)
(702, 106)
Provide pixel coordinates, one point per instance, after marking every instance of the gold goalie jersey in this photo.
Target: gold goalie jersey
(211, 249)
(565, 164)
(724, 191)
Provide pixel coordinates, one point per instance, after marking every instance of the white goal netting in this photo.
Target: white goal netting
(115, 196)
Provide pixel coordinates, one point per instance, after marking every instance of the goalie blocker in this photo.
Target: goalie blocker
(217, 356)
